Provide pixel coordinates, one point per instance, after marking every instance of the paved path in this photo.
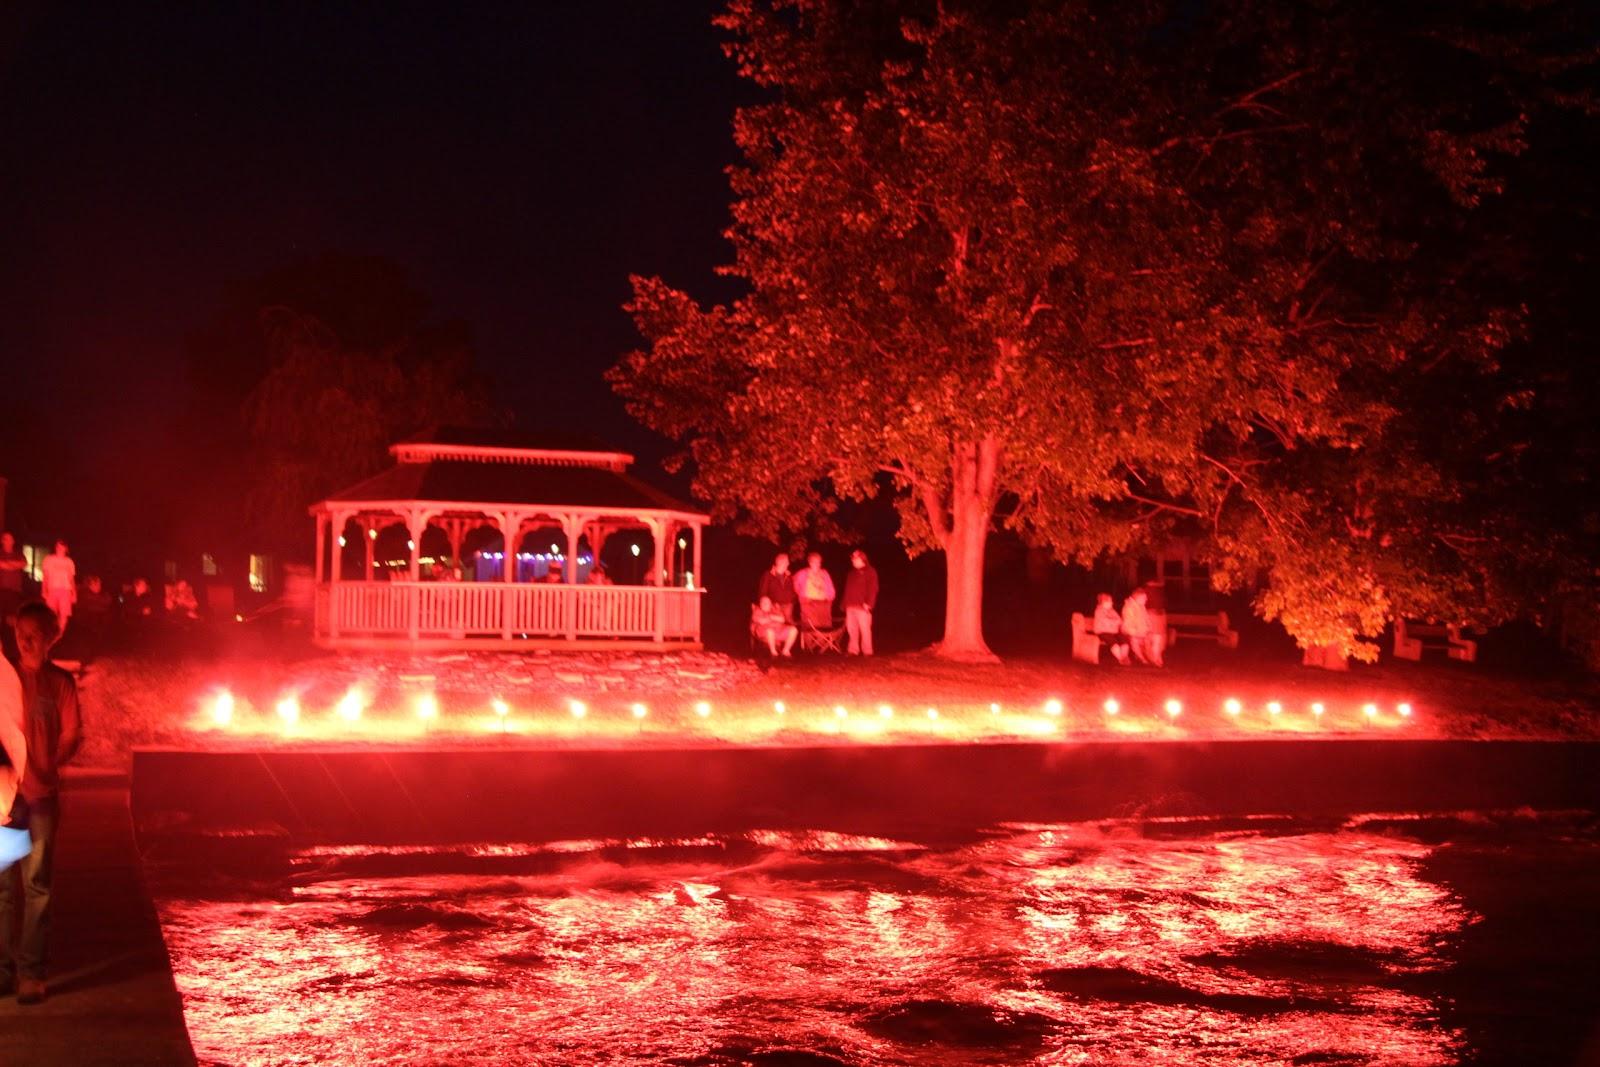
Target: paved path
(111, 1000)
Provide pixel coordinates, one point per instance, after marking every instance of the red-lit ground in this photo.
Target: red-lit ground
(634, 700)
(1375, 942)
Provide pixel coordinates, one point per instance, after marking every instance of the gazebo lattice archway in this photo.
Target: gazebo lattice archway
(456, 487)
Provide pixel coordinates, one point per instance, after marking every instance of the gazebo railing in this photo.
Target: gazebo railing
(469, 611)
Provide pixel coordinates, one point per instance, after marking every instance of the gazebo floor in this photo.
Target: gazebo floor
(498, 644)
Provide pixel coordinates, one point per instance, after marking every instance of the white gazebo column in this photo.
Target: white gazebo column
(316, 563)
(509, 523)
(572, 529)
(416, 524)
(658, 535)
(336, 526)
(699, 575)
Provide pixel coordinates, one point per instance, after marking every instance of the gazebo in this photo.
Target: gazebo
(466, 543)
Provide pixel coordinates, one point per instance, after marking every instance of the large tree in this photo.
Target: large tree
(1103, 272)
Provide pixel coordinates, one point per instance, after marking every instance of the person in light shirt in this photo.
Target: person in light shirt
(58, 584)
(813, 588)
(1136, 627)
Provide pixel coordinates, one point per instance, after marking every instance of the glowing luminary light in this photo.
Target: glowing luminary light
(1370, 710)
(1317, 709)
(994, 709)
(501, 708)
(640, 711)
(289, 710)
(1274, 708)
(885, 711)
(702, 709)
(779, 707)
(238, 617)
(1232, 706)
(1052, 707)
(411, 546)
(1174, 708)
(427, 707)
(634, 549)
(349, 706)
(373, 533)
(1112, 707)
(222, 708)
(341, 540)
(578, 708)
(1404, 710)
(933, 713)
(840, 711)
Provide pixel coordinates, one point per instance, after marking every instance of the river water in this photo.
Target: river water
(1379, 940)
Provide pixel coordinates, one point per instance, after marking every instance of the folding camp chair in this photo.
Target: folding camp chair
(819, 630)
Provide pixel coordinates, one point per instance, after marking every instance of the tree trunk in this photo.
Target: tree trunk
(965, 538)
(963, 598)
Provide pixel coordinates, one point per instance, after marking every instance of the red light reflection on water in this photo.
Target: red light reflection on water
(1059, 944)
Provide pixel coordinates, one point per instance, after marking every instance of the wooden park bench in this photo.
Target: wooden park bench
(1410, 638)
(1208, 627)
(1086, 643)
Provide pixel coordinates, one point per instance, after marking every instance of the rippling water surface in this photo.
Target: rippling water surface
(1379, 941)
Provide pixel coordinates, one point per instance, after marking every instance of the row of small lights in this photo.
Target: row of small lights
(426, 705)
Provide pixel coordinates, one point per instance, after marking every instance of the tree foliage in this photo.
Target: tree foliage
(1104, 273)
(327, 363)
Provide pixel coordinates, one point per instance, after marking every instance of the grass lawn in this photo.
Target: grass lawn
(133, 700)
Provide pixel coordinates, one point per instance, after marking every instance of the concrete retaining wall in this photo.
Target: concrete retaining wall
(421, 795)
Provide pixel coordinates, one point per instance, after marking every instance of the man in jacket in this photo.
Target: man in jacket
(860, 597)
(776, 584)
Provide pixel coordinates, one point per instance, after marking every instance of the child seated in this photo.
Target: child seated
(771, 626)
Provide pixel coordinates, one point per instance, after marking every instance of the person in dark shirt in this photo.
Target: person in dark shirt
(53, 731)
(860, 597)
(776, 584)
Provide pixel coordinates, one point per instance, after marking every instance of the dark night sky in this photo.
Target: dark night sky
(520, 160)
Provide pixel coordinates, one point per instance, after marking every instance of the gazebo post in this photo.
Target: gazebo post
(510, 522)
(336, 526)
(571, 528)
(317, 570)
(368, 526)
(416, 524)
(658, 534)
(699, 577)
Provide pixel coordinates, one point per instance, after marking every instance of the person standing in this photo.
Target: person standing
(860, 597)
(58, 584)
(52, 732)
(813, 588)
(12, 566)
(776, 584)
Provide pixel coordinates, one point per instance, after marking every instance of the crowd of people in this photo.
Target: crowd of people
(87, 605)
(788, 604)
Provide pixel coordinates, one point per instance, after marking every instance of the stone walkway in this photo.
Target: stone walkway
(111, 1000)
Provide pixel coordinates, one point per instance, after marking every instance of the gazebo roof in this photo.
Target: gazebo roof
(455, 469)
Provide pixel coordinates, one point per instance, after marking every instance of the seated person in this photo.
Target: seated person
(1108, 628)
(771, 626)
